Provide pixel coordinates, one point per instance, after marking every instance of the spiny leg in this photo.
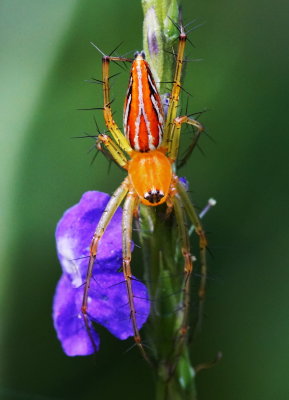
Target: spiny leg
(108, 213)
(114, 150)
(199, 129)
(193, 216)
(173, 146)
(188, 265)
(128, 211)
(108, 117)
(175, 94)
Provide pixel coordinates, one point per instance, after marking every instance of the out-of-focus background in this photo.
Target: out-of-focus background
(243, 80)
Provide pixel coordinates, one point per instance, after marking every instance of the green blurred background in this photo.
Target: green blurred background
(243, 80)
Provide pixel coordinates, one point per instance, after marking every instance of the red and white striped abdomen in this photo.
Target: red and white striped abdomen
(143, 111)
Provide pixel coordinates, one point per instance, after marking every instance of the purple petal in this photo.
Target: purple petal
(184, 182)
(69, 323)
(108, 303)
(107, 300)
(74, 233)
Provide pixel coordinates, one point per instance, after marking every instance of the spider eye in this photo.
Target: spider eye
(154, 196)
(140, 53)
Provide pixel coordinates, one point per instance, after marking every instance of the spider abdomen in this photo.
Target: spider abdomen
(150, 175)
(143, 110)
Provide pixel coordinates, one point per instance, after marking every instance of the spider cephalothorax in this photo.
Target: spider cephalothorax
(147, 150)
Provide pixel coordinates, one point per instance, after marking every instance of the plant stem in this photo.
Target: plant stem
(163, 271)
(158, 231)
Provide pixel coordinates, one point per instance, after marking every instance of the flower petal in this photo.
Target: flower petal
(108, 303)
(69, 323)
(74, 233)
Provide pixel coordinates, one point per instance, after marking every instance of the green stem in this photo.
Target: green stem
(163, 262)
(163, 269)
(159, 34)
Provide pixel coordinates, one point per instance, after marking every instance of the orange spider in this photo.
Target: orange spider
(148, 151)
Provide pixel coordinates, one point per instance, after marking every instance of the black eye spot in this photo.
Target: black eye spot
(154, 196)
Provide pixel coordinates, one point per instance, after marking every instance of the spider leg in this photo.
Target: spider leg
(175, 94)
(108, 213)
(189, 150)
(188, 265)
(173, 125)
(108, 117)
(128, 211)
(193, 216)
(173, 146)
(115, 151)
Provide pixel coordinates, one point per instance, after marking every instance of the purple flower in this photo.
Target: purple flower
(107, 299)
(184, 182)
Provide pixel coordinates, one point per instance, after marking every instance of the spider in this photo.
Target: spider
(147, 150)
